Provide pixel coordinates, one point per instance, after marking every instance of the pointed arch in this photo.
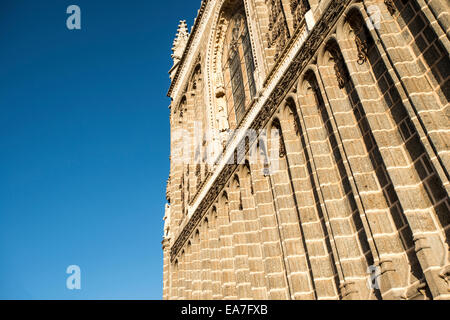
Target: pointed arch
(335, 185)
(232, 70)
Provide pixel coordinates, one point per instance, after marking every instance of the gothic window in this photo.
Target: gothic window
(238, 67)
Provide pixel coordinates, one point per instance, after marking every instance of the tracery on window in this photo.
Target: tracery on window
(238, 67)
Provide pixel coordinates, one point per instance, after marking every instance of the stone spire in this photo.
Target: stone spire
(179, 44)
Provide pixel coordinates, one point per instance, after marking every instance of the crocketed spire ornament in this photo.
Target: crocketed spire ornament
(180, 41)
(179, 44)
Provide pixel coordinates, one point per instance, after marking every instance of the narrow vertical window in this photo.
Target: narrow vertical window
(249, 63)
(237, 85)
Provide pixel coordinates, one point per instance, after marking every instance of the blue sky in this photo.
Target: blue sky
(84, 146)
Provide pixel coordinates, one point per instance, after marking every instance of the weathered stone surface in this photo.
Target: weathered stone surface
(310, 152)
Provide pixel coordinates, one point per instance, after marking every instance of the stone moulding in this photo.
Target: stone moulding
(302, 50)
(193, 35)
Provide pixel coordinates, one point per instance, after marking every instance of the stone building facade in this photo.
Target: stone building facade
(310, 151)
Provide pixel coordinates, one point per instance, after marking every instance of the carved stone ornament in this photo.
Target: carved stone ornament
(278, 31)
(361, 45)
(221, 115)
(167, 221)
(339, 68)
(298, 10)
(390, 6)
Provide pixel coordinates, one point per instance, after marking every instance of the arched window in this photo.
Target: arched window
(238, 67)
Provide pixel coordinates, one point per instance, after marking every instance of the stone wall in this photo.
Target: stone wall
(353, 97)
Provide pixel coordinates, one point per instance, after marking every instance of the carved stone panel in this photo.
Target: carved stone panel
(278, 29)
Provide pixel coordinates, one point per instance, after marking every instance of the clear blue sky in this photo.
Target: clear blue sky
(84, 146)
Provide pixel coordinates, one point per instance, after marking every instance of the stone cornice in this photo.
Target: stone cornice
(296, 57)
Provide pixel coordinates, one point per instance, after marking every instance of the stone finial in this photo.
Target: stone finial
(179, 44)
(167, 187)
(167, 221)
